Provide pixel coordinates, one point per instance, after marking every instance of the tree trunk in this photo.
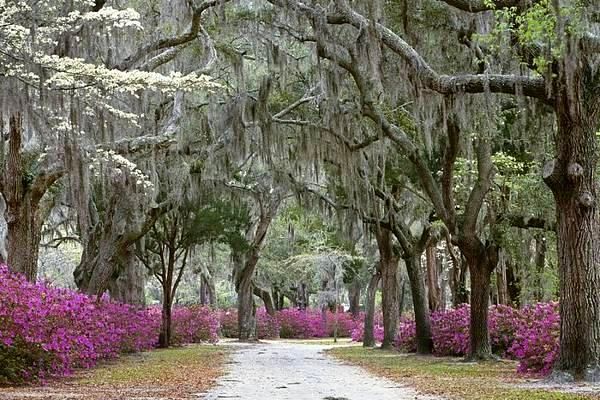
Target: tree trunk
(302, 296)
(502, 280)
(267, 299)
(354, 298)
(540, 262)
(164, 338)
(401, 298)
(129, 286)
(204, 297)
(433, 278)
(572, 180)
(389, 289)
(23, 195)
(369, 323)
(422, 320)
(458, 283)
(513, 284)
(24, 234)
(482, 262)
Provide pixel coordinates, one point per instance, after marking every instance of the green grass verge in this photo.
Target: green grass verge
(195, 364)
(450, 377)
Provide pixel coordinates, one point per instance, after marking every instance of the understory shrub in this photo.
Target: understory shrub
(47, 332)
(301, 324)
(293, 324)
(195, 324)
(536, 341)
(358, 332)
(529, 335)
(267, 326)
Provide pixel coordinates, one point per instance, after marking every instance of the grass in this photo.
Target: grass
(451, 377)
(177, 373)
(160, 365)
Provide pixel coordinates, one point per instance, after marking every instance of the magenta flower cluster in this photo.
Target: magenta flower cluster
(47, 331)
(358, 332)
(529, 335)
(293, 324)
(194, 324)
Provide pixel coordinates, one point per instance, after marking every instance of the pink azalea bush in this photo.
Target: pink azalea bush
(61, 329)
(267, 326)
(195, 324)
(301, 324)
(536, 341)
(346, 323)
(46, 332)
(229, 323)
(406, 340)
(358, 332)
(450, 331)
(529, 335)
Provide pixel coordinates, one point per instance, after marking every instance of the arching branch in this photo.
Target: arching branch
(192, 33)
(532, 86)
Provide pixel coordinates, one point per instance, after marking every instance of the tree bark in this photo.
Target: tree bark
(433, 278)
(482, 261)
(23, 195)
(354, 298)
(389, 289)
(369, 323)
(266, 297)
(540, 262)
(422, 318)
(246, 307)
(129, 286)
(502, 281)
(571, 177)
(164, 338)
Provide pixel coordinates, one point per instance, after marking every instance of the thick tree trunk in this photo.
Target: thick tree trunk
(354, 298)
(573, 182)
(24, 234)
(481, 266)
(23, 196)
(267, 299)
(389, 287)
(369, 323)
(129, 286)
(433, 279)
(246, 308)
(422, 320)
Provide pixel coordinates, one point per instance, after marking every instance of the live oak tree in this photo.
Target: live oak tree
(560, 56)
(54, 85)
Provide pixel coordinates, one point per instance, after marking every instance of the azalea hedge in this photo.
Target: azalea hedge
(529, 335)
(294, 324)
(48, 332)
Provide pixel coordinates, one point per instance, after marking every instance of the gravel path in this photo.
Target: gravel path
(282, 371)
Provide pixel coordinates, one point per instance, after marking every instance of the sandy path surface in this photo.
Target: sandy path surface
(281, 371)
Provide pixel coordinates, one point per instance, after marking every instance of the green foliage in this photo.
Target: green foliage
(219, 221)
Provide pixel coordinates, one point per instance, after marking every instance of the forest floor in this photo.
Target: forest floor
(175, 374)
(453, 378)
